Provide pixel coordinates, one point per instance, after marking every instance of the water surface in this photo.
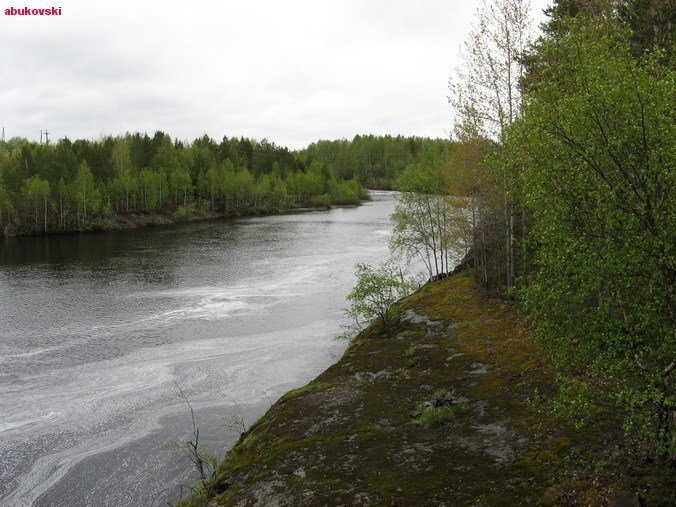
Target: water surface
(97, 329)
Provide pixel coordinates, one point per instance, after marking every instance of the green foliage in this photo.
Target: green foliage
(321, 201)
(423, 219)
(83, 184)
(571, 205)
(347, 192)
(310, 388)
(37, 190)
(4, 204)
(376, 293)
(437, 416)
(596, 148)
(376, 161)
(87, 195)
(182, 213)
(443, 408)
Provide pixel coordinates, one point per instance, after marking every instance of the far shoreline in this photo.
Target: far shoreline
(132, 221)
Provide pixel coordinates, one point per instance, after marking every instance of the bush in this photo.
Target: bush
(205, 206)
(347, 192)
(596, 154)
(376, 293)
(182, 213)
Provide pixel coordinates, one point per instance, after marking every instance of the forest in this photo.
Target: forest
(84, 184)
(376, 161)
(558, 191)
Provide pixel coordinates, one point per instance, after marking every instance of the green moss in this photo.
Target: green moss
(369, 430)
(411, 351)
(353, 441)
(310, 388)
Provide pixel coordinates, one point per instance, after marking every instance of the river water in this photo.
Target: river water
(97, 330)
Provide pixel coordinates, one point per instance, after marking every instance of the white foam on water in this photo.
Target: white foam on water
(7, 356)
(90, 399)
(18, 424)
(51, 420)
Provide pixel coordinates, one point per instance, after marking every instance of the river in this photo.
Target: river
(97, 330)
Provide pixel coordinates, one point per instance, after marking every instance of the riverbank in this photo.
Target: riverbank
(452, 409)
(127, 221)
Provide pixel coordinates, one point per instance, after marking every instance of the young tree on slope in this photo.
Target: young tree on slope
(485, 91)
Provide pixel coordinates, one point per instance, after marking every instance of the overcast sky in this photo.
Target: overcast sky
(292, 71)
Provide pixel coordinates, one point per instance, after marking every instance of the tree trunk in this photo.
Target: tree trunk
(511, 247)
(524, 252)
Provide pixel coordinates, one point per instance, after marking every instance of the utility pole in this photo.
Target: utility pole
(46, 137)
(3, 134)
(40, 136)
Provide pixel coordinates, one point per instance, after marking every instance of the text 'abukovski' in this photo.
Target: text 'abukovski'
(27, 11)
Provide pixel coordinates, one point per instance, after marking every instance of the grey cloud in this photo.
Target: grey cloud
(290, 71)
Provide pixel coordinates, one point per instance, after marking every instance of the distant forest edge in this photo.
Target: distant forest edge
(121, 181)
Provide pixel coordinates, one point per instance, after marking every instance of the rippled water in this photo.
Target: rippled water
(95, 330)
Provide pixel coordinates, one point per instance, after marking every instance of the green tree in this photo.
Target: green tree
(121, 156)
(375, 294)
(180, 183)
(476, 196)
(596, 145)
(38, 190)
(62, 193)
(486, 93)
(213, 180)
(154, 188)
(136, 173)
(4, 203)
(422, 218)
(87, 196)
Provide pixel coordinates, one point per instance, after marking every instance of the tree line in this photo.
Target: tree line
(376, 161)
(80, 185)
(84, 184)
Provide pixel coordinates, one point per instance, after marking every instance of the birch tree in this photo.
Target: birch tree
(422, 220)
(4, 202)
(484, 91)
(38, 190)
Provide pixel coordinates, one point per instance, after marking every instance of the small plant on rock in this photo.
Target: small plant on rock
(443, 408)
(375, 295)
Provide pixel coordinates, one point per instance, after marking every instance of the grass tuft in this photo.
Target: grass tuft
(437, 416)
